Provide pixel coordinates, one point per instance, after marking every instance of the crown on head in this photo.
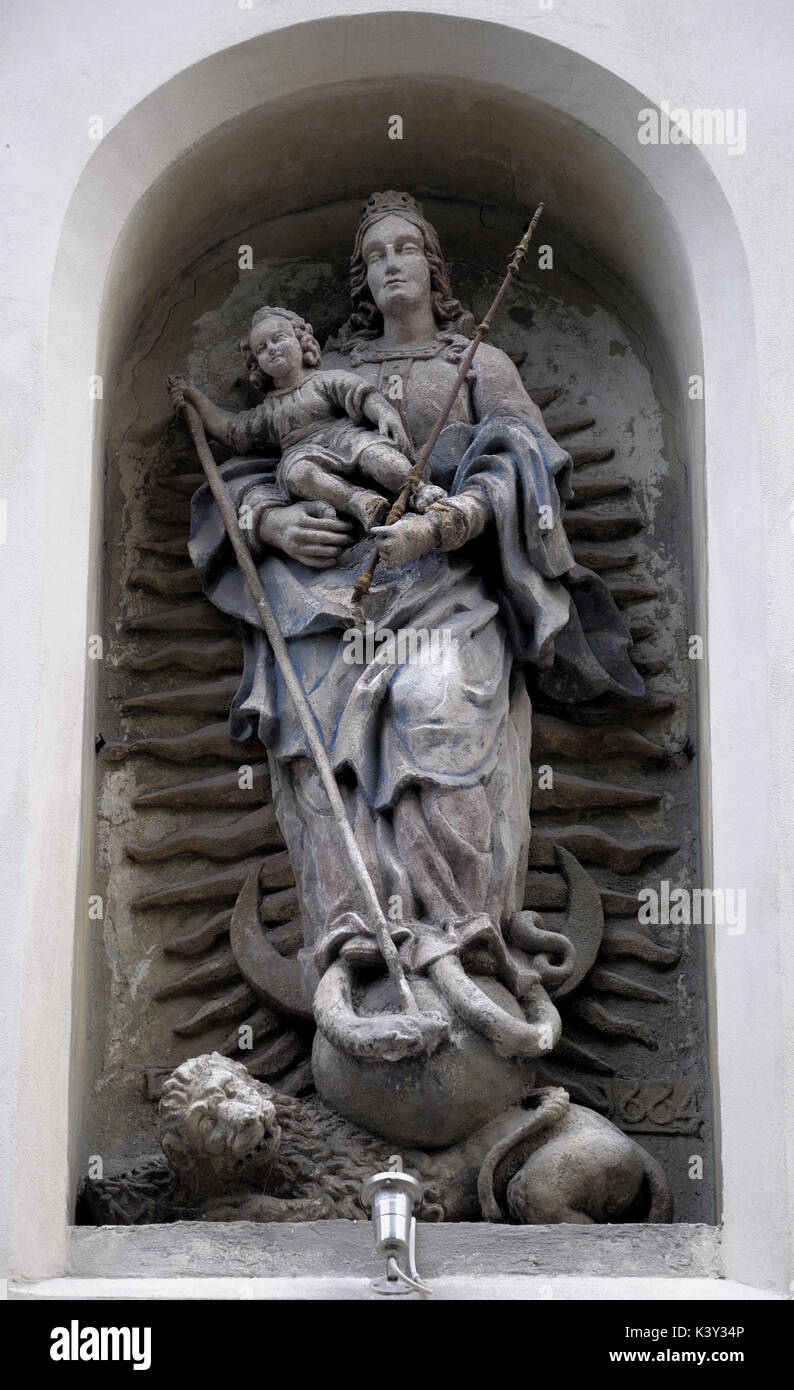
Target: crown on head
(391, 201)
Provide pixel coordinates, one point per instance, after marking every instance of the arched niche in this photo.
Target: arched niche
(164, 189)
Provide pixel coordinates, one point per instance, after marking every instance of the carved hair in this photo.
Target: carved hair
(198, 1146)
(307, 1152)
(366, 320)
(312, 356)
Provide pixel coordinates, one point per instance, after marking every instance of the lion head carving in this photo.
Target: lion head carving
(218, 1128)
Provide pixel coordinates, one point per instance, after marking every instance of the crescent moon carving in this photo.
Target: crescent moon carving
(275, 978)
(584, 919)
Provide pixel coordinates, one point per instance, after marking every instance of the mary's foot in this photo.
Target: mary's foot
(378, 1037)
(390, 1037)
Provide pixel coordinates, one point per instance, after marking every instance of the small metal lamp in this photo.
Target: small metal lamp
(392, 1197)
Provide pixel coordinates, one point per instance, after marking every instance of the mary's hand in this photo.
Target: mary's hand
(310, 532)
(405, 540)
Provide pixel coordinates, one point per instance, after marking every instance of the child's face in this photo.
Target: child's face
(276, 349)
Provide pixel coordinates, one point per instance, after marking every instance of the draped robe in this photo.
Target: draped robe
(431, 741)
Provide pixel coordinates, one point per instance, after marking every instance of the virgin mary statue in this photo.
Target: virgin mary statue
(430, 741)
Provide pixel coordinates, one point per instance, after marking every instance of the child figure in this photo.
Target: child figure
(317, 418)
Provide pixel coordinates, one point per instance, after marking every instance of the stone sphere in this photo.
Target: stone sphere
(428, 1102)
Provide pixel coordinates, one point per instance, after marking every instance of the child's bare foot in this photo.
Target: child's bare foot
(426, 494)
(369, 508)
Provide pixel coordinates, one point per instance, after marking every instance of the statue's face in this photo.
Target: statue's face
(397, 271)
(276, 348)
(232, 1114)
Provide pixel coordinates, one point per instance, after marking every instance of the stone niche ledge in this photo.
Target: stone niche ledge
(344, 1249)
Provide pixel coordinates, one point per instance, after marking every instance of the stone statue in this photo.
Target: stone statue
(432, 756)
(238, 1150)
(301, 414)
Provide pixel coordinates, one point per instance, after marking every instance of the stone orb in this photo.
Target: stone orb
(426, 1102)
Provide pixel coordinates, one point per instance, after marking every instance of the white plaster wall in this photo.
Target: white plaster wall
(68, 62)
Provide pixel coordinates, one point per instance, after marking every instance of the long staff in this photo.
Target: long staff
(245, 560)
(362, 584)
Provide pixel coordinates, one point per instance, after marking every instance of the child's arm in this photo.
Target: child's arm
(387, 418)
(361, 400)
(214, 418)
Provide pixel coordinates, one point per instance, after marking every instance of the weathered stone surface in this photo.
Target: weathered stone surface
(160, 738)
(310, 1248)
